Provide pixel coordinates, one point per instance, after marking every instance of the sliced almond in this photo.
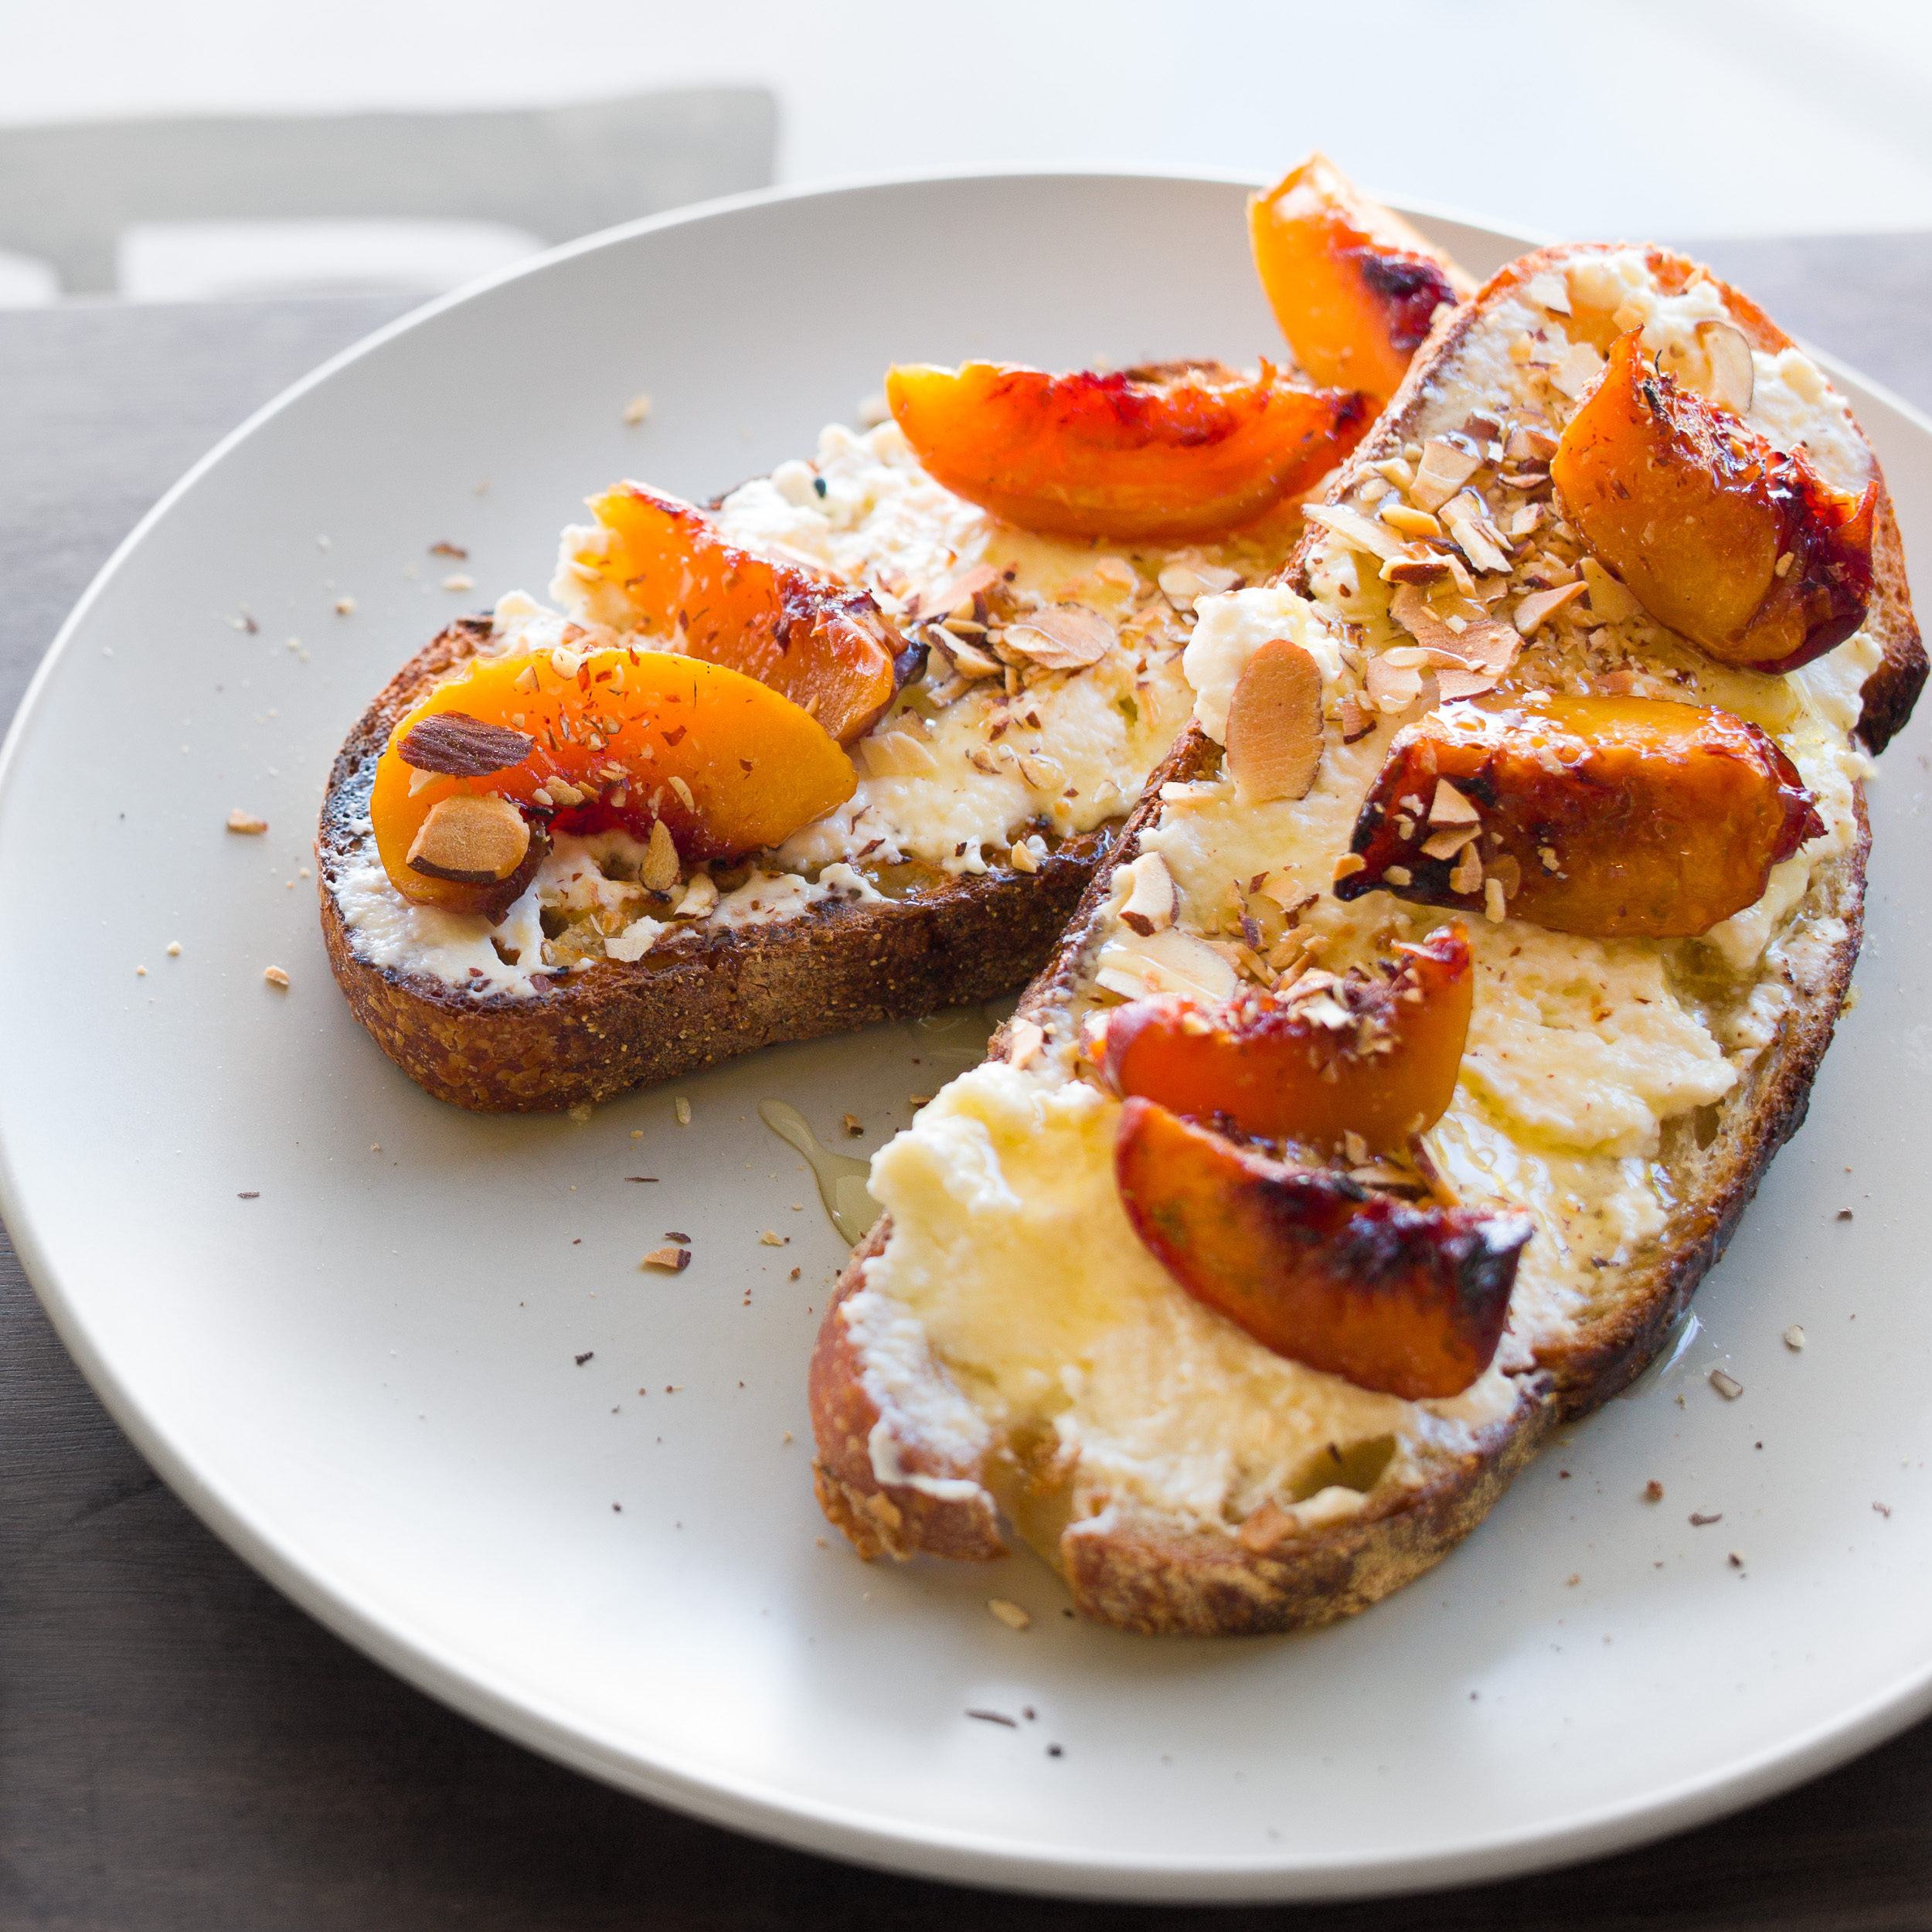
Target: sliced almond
(673, 1261)
(699, 897)
(1540, 606)
(1609, 598)
(1466, 519)
(1357, 719)
(1467, 876)
(1416, 565)
(1024, 1039)
(1579, 367)
(1273, 732)
(1548, 290)
(1452, 684)
(967, 659)
(1483, 645)
(658, 872)
(1393, 688)
(1446, 844)
(470, 839)
(1356, 530)
(1152, 901)
(1445, 468)
(1181, 583)
(1450, 807)
(1043, 773)
(1733, 376)
(1067, 637)
(1409, 520)
(949, 593)
(897, 754)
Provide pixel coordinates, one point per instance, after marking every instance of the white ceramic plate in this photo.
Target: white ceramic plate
(406, 1384)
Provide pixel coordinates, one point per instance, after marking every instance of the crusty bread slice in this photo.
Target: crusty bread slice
(906, 1463)
(700, 996)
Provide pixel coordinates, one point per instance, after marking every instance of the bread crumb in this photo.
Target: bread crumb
(345, 607)
(673, 1261)
(772, 1239)
(681, 1107)
(246, 822)
(638, 410)
(273, 974)
(582, 1111)
(636, 1133)
(375, 1147)
(1736, 1559)
(1795, 1337)
(1573, 1578)
(459, 580)
(174, 949)
(140, 972)
(1009, 1614)
(1653, 1490)
(854, 1125)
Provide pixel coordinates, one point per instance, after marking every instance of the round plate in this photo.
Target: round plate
(402, 1358)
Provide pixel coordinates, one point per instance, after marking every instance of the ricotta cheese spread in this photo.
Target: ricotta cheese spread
(1040, 1308)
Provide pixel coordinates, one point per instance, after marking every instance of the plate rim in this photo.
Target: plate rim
(743, 1804)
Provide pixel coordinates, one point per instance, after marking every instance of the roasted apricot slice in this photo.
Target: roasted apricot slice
(1742, 548)
(1352, 285)
(1376, 1056)
(615, 737)
(1611, 817)
(1168, 454)
(1409, 1301)
(829, 650)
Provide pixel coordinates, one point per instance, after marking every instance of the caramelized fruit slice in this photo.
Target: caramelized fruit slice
(1354, 1057)
(1168, 454)
(611, 738)
(1352, 285)
(1742, 548)
(1408, 1301)
(1613, 817)
(829, 650)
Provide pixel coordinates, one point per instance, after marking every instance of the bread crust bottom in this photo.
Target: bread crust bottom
(696, 999)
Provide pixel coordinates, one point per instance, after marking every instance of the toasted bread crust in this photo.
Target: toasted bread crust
(704, 997)
(1142, 1572)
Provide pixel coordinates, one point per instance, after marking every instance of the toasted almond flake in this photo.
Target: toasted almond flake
(1417, 566)
(949, 593)
(1393, 688)
(1022, 857)
(967, 659)
(564, 661)
(1357, 719)
(1446, 844)
(1609, 598)
(771, 1238)
(1448, 807)
(1411, 523)
(1024, 1040)
(1795, 1337)
(1734, 374)
(684, 793)
(1356, 529)
(1008, 1614)
(1548, 290)
(246, 822)
(1726, 1386)
(1182, 584)
(1273, 731)
(1152, 899)
(1398, 875)
(681, 1107)
(273, 974)
(525, 679)
(1042, 774)
(1265, 1529)
(1445, 469)
(673, 1261)
(638, 410)
(1482, 645)
(1579, 367)
(1467, 520)
(1348, 864)
(898, 754)
(1467, 876)
(1540, 606)
(659, 871)
(1494, 908)
(1067, 637)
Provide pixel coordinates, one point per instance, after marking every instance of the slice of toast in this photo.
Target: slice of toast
(1004, 1346)
(986, 794)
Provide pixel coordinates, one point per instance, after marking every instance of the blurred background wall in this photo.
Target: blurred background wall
(1674, 117)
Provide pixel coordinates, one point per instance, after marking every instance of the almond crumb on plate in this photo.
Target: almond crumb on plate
(174, 949)
(1009, 1614)
(673, 1261)
(1795, 1337)
(1653, 1490)
(681, 1107)
(854, 1125)
(240, 821)
(638, 410)
(273, 974)
(772, 1239)
(345, 607)
(459, 580)
(1726, 1386)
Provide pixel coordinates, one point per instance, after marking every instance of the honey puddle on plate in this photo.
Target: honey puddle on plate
(842, 1179)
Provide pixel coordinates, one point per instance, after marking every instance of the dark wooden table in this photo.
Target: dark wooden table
(182, 1748)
